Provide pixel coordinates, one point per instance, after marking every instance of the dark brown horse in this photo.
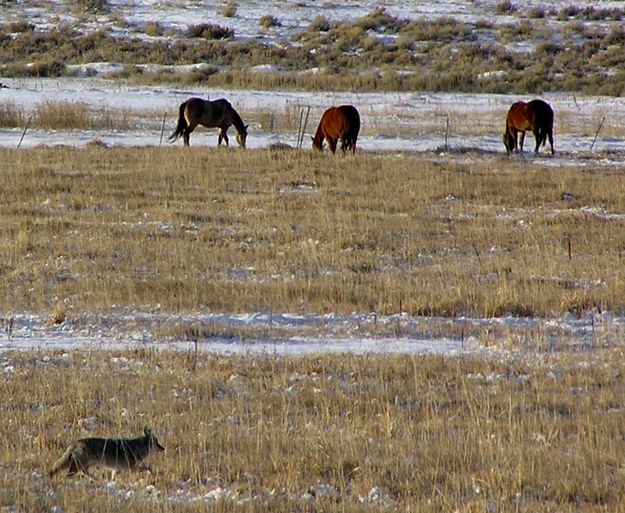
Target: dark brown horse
(211, 114)
(536, 116)
(338, 123)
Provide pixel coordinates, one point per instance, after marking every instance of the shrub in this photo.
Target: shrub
(45, 69)
(379, 20)
(229, 10)
(269, 21)
(441, 30)
(89, 6)
(319, 24)
(153, 29)
(548, 48)
(210, 31)
(536, 12)
(21, 26)
(506, 7)
(616, 36)
(595, 14)
(570, 11)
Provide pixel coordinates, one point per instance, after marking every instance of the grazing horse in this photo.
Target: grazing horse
(536, 116)
(211, 114)
(338, 123)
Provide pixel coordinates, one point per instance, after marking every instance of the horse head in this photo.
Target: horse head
(317, 143)
(242, 136)
(508, 142)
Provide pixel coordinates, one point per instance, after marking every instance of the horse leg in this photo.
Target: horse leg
(187, 133)
(540, 139)
(223, 136)
(332, 143)
(520, 147)
(550, 135)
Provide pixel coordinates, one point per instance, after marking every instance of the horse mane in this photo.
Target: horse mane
(237, 121)
(318, 138)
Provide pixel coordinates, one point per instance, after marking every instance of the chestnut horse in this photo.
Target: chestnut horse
(211, 114)
(536, 116)
(338, 123)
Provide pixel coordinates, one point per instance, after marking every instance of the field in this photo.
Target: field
(93, 233)
(428, 325)
(412, 433)
(183, 230)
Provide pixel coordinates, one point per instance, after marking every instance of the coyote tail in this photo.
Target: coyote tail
(182, 123)
(63, 461)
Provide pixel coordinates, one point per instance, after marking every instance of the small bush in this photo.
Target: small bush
(380, 21)
(229, 10)
(89, 6)
(210, 31)
(570, 11)
(548, 48)
(41, 69)
(21, 26)
(595, 14)
(615, 37)
(506, 7)
(536, 12)
(516, 31)
(153, 29)
(319, 24)
(441, 30)
(269, 21)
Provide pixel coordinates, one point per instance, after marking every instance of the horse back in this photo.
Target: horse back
(542, 113)
(208, 113)
(530, 115)
(193, 110)
(340, 122)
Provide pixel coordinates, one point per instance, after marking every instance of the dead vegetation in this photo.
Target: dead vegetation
(318, 433)
(376, 52)
(239, 231)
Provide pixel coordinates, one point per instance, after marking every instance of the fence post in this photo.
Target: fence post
(25, 129)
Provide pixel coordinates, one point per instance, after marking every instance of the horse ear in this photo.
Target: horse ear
(246, 127)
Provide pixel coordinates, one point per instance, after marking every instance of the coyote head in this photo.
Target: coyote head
(152, 441)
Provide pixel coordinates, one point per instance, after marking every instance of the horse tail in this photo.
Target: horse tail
(182, 123)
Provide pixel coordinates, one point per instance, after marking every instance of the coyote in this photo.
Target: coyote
(113, 453)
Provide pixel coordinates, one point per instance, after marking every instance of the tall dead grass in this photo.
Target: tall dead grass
(319, 433)
(68, 115)
(226, 230)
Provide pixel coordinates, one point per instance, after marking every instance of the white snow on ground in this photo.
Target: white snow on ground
(313, 334)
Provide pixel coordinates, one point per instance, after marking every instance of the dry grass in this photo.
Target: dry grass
(68, 115)
(286, 231)
(11, 115)
(319, 433)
